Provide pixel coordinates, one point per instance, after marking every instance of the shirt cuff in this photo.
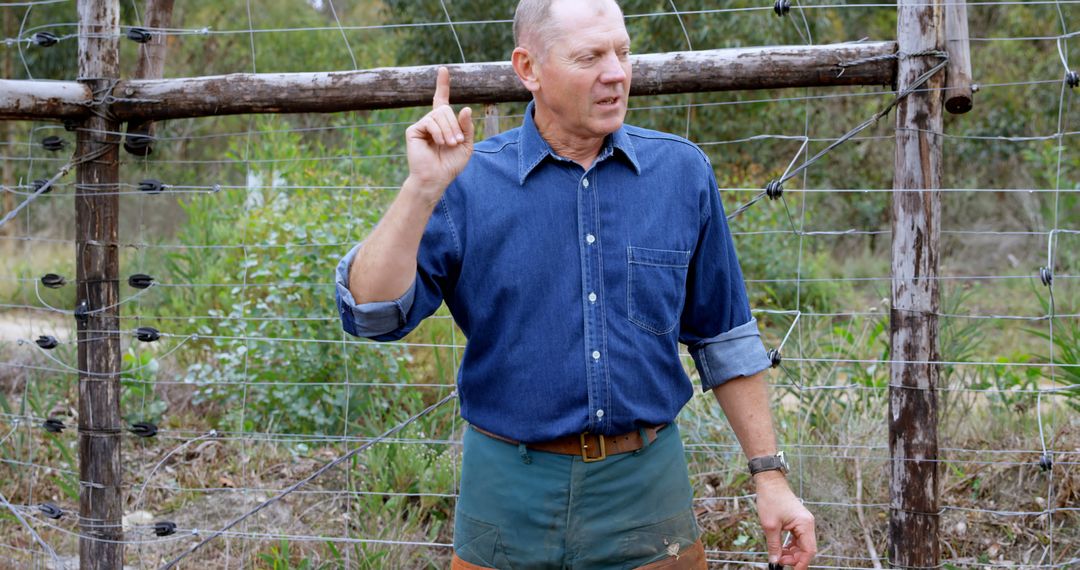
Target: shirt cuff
(368, 319)
(737, 352)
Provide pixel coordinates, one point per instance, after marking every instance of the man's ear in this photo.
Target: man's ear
(527, 68)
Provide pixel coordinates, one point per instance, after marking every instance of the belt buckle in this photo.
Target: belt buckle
(584, 449)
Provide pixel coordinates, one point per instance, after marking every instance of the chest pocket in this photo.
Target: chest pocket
(656, 285)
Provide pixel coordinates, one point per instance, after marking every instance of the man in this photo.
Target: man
(575, 253)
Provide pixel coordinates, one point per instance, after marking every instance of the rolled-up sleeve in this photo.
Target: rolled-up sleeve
(368, 319)
(437, 265)
(716, 325)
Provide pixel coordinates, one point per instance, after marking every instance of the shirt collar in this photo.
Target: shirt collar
(533, 149)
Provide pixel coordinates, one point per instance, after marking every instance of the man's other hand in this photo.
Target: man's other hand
(780, 510)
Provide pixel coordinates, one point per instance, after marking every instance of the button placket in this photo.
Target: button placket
(592, 273)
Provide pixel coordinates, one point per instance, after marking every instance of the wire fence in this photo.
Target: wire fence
(261, 435)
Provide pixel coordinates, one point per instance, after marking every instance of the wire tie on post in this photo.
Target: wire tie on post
(39, 183)
(1046, 275)
(82, 312)
(140, 281)
(44, 39)
(164, 528)
(47, 342)
(53, 425)
(143, 429)
(147, 334)
(782, 7)
(774, 189)
(151, 186)
(774, 357)
(1046, 463)
(50, 510)
(53, 281)
(53, 143)
(139, 35)
(139, 144)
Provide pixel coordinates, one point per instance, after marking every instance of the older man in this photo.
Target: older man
(575, 252)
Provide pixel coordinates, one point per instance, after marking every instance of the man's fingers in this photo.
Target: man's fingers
(442, 89)
(773, 544)
(465, 123)
(447, 123)
(433, 130)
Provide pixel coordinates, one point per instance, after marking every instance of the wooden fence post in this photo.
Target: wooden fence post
(158, 15)
(916, 207)
(97, 207)
(958, 91)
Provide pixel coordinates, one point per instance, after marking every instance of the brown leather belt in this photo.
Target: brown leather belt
(590, 446)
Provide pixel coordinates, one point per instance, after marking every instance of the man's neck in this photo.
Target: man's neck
(580, 150)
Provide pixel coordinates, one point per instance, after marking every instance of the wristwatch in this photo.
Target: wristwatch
(769, 463)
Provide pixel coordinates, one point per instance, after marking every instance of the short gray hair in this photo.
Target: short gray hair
(532, 21)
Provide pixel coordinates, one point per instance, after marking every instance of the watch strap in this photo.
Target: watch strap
(768, 463)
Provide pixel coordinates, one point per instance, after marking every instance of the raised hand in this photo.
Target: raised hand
(440, 144)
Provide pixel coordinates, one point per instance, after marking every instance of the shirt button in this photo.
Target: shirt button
(585, 182)
(599, 413)
(589, 238)
(592, 297)
(596, 355)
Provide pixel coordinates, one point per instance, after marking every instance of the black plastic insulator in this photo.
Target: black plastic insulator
(164, 528)
(143, 429)
(782, 7)
(147, 334)
(774, 189)
(44, 39)
(47, 342)
(139, 35)
(53, 143)
(1046, 276)
(50, 510)
(774, 357)
(151, 186)
(140, 281)
(70, 125)
(139, 144)
(53, 425)
(41, 182)
(53, 281)
(1073, 79)
(1045, 463)
(776, 566)
(82, 312)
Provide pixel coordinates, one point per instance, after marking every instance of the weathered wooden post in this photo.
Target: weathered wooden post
(97, 208)
(958, 91)
(916, 206)
(7, 169)
(158, 15)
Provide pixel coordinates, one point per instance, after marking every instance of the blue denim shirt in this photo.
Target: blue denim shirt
(574, 287)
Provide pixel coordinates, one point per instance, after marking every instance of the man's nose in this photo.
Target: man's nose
(612, 70)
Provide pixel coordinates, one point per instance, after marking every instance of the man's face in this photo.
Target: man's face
(585, 74)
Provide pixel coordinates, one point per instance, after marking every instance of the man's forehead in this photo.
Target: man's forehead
(569, 18)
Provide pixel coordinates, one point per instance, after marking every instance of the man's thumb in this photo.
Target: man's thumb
(466, 124)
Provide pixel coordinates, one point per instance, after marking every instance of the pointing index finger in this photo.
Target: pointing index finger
(442, 89)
